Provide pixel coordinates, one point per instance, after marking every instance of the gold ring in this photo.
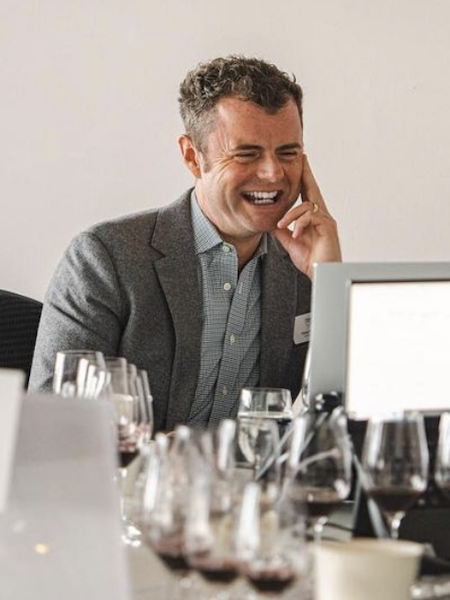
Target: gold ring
(315, 207)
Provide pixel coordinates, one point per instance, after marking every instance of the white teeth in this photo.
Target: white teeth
(262, 197)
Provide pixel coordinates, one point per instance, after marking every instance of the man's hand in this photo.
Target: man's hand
(314, 237)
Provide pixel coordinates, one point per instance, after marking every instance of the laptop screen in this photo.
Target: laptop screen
(398, 347)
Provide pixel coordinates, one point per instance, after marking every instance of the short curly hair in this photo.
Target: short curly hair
(249, 79)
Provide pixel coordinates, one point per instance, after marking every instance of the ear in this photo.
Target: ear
(190, 155)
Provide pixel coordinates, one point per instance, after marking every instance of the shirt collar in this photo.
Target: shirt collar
(206, 235)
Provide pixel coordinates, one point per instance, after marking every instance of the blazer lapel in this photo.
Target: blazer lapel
(177, 273)
(279, 302)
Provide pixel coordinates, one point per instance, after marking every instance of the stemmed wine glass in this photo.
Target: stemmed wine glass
(395, 464)
(127, 400)
(270, 541)
(257, 450)
(164, 508)
(319, 467)
(442, 464)
(267, 403)
(147, 415)
(156, 509)
(210, 522)
(71, 371)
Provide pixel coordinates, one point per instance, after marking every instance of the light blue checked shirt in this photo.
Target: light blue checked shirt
(230, 344)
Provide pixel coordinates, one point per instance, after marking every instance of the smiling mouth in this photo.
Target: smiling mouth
(262, 197)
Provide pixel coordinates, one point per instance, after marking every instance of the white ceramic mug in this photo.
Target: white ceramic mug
(364, 569)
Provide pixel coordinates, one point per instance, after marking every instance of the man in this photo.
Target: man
(206, 293)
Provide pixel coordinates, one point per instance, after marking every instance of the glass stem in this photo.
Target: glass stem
(394, 521)
(122, 490)
(318, 526)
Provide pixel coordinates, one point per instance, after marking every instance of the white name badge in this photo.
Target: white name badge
(302, 328)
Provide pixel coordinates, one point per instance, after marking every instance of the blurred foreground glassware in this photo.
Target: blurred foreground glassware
(442, 464)
(212, 500)
(319, 467)
(395, 464)
(257, 450)
(147, 417)
(164, 511)
(270, 542)
(69, 380)
(132, 431)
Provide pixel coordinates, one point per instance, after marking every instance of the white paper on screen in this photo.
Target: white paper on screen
(398, 351)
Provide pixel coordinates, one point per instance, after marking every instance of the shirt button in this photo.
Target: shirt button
(224, 391)
(232, 339)
(226, 248)
(227, 286)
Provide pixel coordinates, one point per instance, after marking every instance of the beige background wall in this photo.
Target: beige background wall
(89, 117)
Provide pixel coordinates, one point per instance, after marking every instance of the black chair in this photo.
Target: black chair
(19, 320)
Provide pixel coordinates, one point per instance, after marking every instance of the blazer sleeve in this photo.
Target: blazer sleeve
(83, 308)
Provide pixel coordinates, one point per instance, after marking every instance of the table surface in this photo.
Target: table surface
(151, 581)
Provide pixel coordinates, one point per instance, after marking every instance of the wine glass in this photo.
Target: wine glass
(156, 507)
(257, 451)
(319, 468)
(442, 464)
(267, 403)
(395, 464)
(165, 531)
(270, 541)
(68, 378)
(147, 417)
(209, 526)
(125, 400)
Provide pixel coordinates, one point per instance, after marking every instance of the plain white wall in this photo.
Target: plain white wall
(89, 117)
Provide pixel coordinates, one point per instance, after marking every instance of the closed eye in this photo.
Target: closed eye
(289, 154)
(247, 156)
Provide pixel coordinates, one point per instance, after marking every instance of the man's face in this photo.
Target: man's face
(249, 172)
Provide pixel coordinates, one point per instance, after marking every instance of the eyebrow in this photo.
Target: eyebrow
(293, 146)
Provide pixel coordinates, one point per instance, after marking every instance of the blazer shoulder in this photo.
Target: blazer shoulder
(139, 227)
(125, 227)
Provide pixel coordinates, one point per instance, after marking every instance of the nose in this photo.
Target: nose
(270, 169)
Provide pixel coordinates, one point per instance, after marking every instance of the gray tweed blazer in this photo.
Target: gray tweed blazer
(129, 287)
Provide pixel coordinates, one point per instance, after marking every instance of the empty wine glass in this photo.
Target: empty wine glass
(395, 464)
(147, 417)
(270, 542)
(442, 465)
(267, 403)
(68, 378)
(257, 450)
(319, 469)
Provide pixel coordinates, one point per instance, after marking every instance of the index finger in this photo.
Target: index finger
(309, 188)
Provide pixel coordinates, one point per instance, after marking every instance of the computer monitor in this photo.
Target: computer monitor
(380, 334)
(352, 351)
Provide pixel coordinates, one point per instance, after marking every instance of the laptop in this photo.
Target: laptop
(379, 333)
(380, 338)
